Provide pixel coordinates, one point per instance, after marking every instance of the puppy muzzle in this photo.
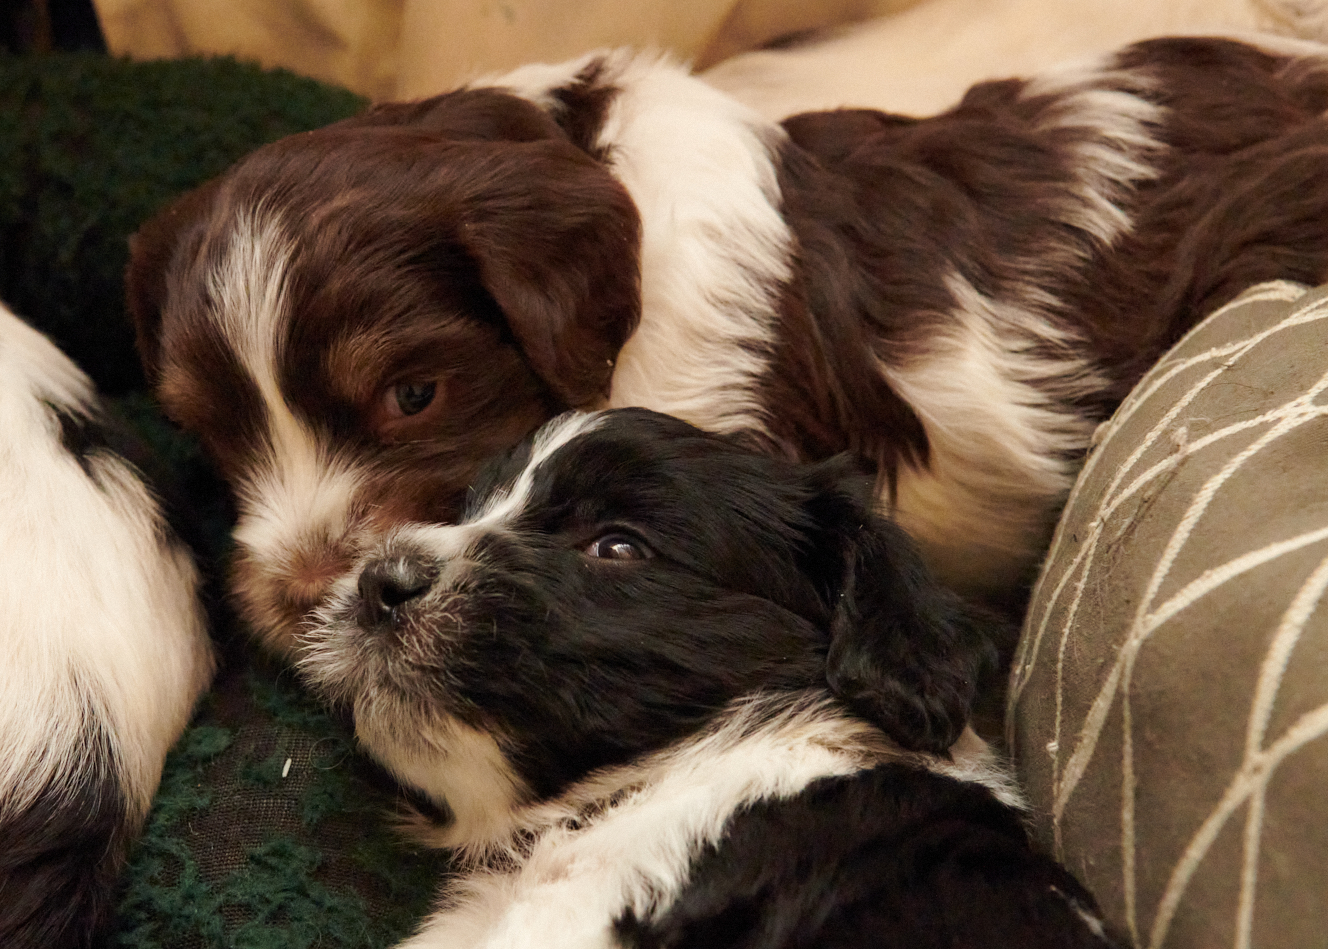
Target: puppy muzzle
(388, 585)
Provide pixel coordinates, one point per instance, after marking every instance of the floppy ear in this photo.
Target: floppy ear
(556, 239)
(905, 653)
(151, 250)
(483, 114)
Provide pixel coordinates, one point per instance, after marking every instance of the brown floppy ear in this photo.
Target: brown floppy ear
(555, 236)
(905, 653)
(557, 242)
(151, 250)
(490, 115)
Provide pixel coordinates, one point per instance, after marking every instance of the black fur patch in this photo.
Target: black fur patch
(82, 435)
(60, 856)
(615, 596)
(189, 494)
(891, 857)
(583, 106)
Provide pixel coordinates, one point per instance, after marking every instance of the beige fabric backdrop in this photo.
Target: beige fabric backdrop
(349, 42)
(909, 56)
(409, 48)
(921, 60)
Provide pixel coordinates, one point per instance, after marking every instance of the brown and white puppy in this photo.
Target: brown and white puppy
(353, 318)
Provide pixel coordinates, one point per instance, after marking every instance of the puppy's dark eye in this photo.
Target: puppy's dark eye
(407, 410)
(411, 398)
(617, 547)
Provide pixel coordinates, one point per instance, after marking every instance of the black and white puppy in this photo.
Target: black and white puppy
(354, 318)
(103, 648)
(663, 685)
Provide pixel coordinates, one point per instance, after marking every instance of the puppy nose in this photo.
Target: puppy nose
(389, 583)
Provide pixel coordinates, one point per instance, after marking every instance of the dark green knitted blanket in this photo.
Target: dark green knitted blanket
(269, 829)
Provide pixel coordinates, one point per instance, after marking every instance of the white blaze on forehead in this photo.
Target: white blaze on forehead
(439, 755)
(297, 487)
(448, 543)
(503, 507)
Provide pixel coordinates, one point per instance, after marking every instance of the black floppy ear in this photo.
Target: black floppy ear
(905, 653)
(556, 239)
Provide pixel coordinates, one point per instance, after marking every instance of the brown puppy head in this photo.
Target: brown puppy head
(352, 319)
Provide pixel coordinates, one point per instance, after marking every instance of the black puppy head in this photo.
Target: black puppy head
(622, 578)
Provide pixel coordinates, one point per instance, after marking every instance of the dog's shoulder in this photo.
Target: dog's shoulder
(896, 855)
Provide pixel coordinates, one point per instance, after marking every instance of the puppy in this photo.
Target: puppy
(662, 685)
(103, 648)
(352, 318)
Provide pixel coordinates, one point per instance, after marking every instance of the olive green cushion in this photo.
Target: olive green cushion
(1169, 698)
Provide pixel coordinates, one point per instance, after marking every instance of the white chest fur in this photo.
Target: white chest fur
(625, 839)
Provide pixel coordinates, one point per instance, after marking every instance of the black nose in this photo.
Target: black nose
(391, 582)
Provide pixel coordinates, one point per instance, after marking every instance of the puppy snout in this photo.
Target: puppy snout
(390, 583)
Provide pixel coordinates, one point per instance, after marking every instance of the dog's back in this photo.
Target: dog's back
(103, 649)
(894, 857)
(983, 287)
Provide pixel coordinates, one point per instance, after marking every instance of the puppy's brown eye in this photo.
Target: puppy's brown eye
(405, 411)
(411, 398)
(617, 547)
